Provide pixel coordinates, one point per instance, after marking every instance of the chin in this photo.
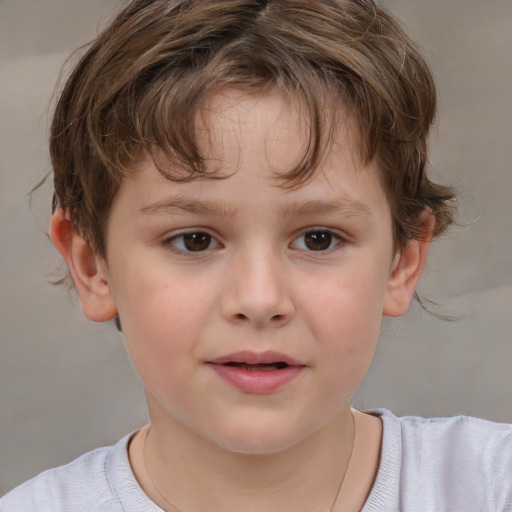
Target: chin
(259, 439)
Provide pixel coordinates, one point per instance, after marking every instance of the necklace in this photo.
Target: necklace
(174, 508)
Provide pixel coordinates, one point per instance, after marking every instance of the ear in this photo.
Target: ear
(89, 271)
(406, 271)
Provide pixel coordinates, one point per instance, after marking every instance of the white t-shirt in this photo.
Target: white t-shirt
(458, 464)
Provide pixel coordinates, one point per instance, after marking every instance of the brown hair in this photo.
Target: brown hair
(142, 82)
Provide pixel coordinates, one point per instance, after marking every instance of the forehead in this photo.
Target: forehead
(244, 124)
(252, 144)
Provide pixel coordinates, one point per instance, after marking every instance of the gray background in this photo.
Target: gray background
(67, 385)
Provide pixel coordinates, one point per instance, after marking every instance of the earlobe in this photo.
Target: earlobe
(89, 271)
(406, 272)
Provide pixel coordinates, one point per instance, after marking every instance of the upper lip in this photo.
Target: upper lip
(249, 357)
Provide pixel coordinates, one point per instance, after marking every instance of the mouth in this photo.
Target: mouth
(257, 373)
(261, 367)
(257, 361)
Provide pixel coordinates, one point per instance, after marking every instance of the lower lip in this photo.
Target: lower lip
(258, 382)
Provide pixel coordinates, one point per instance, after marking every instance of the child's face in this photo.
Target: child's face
(299, 276)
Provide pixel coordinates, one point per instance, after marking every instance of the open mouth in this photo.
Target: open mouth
(260, 367)
(257, 373)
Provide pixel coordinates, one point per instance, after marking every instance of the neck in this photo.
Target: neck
(194, 474)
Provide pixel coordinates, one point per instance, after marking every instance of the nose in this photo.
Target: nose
(257, 292)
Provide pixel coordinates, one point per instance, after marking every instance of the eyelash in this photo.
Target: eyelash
(333, 238)
(171, 241)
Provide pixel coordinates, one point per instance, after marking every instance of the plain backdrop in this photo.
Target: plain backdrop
(67, 385)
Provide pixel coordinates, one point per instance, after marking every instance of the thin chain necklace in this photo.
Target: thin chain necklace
(174, 508)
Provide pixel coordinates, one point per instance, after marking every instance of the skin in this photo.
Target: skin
(257, 283)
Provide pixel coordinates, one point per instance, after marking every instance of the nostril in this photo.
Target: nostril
(274, 318)
(258, 314)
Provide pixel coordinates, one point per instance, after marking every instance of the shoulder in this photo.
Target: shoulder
(447, 462)
(86, 484)
(481, 449)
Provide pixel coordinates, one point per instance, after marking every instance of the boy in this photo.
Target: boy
(241, 186)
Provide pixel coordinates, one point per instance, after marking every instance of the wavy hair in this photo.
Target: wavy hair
(142, 82)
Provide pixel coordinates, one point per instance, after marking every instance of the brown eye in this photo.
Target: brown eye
(197, 241)
(193, 241)
(318, 240)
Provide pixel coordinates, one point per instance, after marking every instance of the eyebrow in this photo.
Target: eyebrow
(345, 206)
(191, 206)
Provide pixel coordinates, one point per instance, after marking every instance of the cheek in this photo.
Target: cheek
(162, 318)
(347, 301)
(346, 319)
(153, 295)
